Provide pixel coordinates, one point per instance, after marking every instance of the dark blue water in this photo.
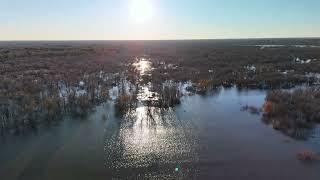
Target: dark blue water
(205, 137)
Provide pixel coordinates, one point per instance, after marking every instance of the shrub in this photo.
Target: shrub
(124, 103)
(290, 111)
(307, 156)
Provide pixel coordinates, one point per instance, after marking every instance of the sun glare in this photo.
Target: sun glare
(141, 10)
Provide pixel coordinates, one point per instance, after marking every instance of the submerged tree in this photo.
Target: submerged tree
(292, 111)
(169, 95)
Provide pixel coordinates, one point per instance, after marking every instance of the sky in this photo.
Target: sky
(157, 19)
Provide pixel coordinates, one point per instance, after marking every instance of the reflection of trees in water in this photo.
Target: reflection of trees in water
(146, 135)
(153, 116)
(25, 105)
(148, 131)
(162, 96)
(296, 132)
(293, 112)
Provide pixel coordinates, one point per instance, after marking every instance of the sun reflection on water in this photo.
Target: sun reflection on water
(150, 135)
(143, 65)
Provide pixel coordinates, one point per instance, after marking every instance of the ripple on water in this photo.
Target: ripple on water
(149, 137)
(150, 140)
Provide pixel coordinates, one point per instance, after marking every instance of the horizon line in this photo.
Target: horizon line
(182, 39)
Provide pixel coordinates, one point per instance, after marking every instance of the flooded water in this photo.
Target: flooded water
(205, 137)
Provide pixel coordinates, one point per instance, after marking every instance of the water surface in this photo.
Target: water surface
(205, 137)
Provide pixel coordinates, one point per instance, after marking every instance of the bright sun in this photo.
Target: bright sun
(141, 10)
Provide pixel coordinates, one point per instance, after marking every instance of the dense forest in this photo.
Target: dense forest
(44, 82)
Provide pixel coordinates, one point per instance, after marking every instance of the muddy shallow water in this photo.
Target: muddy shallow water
(205, 137)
